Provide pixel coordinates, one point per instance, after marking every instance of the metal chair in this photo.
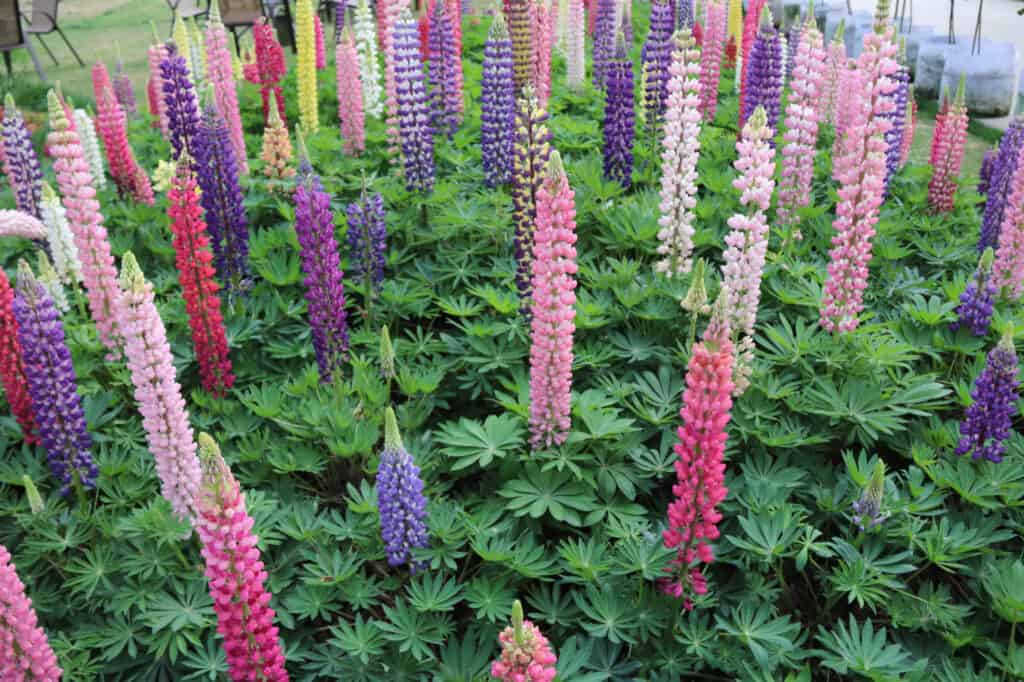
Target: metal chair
(188, 9)
(43, 21)
(240, 14)
(12, 36)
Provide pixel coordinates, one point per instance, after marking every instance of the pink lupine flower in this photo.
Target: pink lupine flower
(553, 286)
(318, 35)
(388, 13)
(526, 655)
(543, 31)
(908, 127)
(843, 107)
(76, 187)
(711, 56)
(18, 224)
(1008, 270)
(155, 89)
(350, 95)
(835, 64)
(221, 74)
(454, 10)
(860, 170)
(164, 418)
(25, 653)
(235, 573)
(948, 146)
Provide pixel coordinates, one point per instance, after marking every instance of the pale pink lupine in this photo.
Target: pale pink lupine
(575, 43)
(948, 146)
(680, 151)
(220, 72)
(19, 224)
(835, 63)
(843, 105)
(908, 128)
(25, 653)
(454, 10)
(860, 170)
(157, 392)
(1008, 269)
(388, 13)
(350, 95)
(553, 312)
(526, 655)
(158, 53)
(802, 117)
(543, 31)
(712, 47)
(74, 180)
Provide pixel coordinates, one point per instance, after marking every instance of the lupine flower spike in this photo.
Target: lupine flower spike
(575, 47)
(305, 39)
(235, 573)
(123, 86)
(1000, 186)
(113, 127)
(898, 116)
(318, 34)
(751, 24)
(403, 507)
(25, 653)
(367, 241)
(221, 75)
(157, 53)
(975, 309)
(12, 368)
(59, 237)
(181, 40)
(1008, 270)
(526, 655)
(350, 95)
(867, 511)
(445, 104)
(91, 147)
(415, 130)
(387, 356)
(369, 67)
(656, 57)
(711, 57)
(835, 65)
(277, 149)
(532, 150)
(988, 421)
(50, 280)
(389, 12)
(52, 385)
(764, 73)
(497, 106)
(948, 149)
(543, 18)
(18, 224)
(909, 125)
(181, 106)
(200, 70)
(619, 118)
(988, 162)
(520, 28)
(270, 67)
(20, 162)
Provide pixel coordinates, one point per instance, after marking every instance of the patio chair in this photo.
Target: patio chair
(188, 9)
(12, 36)
(240, 14)
(43, 21)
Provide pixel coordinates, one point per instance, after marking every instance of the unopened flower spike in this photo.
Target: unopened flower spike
(35, 500)
(867, 511)
(696, 299)
(387, 354)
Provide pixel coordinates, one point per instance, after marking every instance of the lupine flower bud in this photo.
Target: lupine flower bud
(497, 106)
(867, 511)
(403, 507)
(526, 655)
(987, 422)
(51, 282)
(90, 146)
(387, 354)
(696, 299)
(20, 161)
(25, 653)
(12, 368)
(975, 309)
(619, 121)
(367, 240)
(35, 500)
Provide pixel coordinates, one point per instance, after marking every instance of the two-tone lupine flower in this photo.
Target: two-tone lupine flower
(543, 39)
(531, 150)
(91, 146)
(369, 68)
(711, 57)
(751, 25)
(860, 172)
(367, 241)
(222, 198)
(50, 280)
(948, 148)
(575, 47)
(12, 369)
(1000, 187)
(52, 385)
(305, 40)
(400, 499)
(321, 263)
(680, 151)
(350, 95)
(988, 162)
(25, 653)
(802, 120)
(445, 95)
(318, 35)
(113, 128)
(340, 6)
(605, 31)
(157, 392)
(1008, 270)
(415, 132)
(764, 73)
(526, 655)
(277, 149)
(909, 124)
(181, 106)
(988, 421)
(196, 275)
(619, 125)
(552, 309)
(157, 53)
(270, 67)
(83, 213)
(693, 515)
(220, 72)
(520, 28)
(656, 57)
(867, 510)
(497, 106)
(20, 161)
(235, 573)
(59, 237)
(978, 299)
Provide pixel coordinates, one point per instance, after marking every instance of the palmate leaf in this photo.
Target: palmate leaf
(770, 534)
(548, 493)
(863, 650)
(466, 659)
(361, 639)
(413, 632)
(431, 593)
(770, 639)
(470, 443)
(865, 576)
(608, 615)
(490, 597)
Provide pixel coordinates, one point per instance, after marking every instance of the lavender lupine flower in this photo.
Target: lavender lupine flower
(605, 32)
(221, 198)
(52, 384)
(684, 14)
(793, 36)
(180, 104)
(123, 89)
(445, 96)
(619, 123)
(867, 511)
(367, 239)
(898, 118)
(656, 56)
(999, 186)
(764, 79)
(403, 507)
(339, 19)
(325, 291)
(975, 309)
(414, 127)
(497, 106)
(988, 162)
(20, 161)
(987, 422)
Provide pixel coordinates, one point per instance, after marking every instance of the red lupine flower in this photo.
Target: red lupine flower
(12, 372)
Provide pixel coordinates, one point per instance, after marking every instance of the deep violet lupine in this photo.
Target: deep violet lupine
(713, 45)
(181, 106)
(339, 18)
(531, 150)
(656, 56)
(619, 117)
(325, 292)
(790, 41)
(552, 310)
(220, 71)
(270, 67)
(988, 421)
(350, 95)
(222, 198)
(20, 161)
(12, 369)
(52, 384)
(414, 127)
(235, 573)
(112, 123)
(198, 287)
(693, 515)
(25, 653)
(444, 60)
(975, 309)
(898, 116)
(367, 240)
(948, 148)
(1008, 270)
(520, 28)
(605, 32)
(1000, 186)
(164, 417)
(988, 161)
(497, 106)
(751, 25)
(526, 655)
(400, 499)
(764, 74)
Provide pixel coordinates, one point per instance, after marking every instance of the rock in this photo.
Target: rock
(931, 60)
(913, 39)
(990, 77)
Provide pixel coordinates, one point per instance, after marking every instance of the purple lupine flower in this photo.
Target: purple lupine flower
(497, 106)
(52, 384)
(325, 291)
(975, 309)
(867, 511)
(339, 19)
(221, 198)
(793, 36)
(656, 57)
(531, 150)
(403, 507)
(367, 239)
(897, 119)
(684, 14)
(764, 80)
(605, 31)
(619, 120)
(986, 425)
(180, 103)
(20, 161)
(988, 162)
(414, 127)
(444, 60)
(123, 90)
(999, 186)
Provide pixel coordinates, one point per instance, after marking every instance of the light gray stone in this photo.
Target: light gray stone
(912, 39)
(931, 60)
(990, 77)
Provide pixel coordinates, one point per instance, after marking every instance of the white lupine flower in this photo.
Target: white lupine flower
(91, 147)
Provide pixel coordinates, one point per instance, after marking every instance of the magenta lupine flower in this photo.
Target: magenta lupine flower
(318, 39)
(764, 73)
(526, 655)
(948, 148)
(656, 57)
(712, 47)
(532, 150)
(988, 421)
(605, 32)
(497, 106)
(400, 499)
(976, 303)
(351, 118)
(520, 28)
(20, 162)
(1008, 270)
(414, 127)
(1000, 186)
(860, 171)
(445, 109)
(619, 117)
(220, 72)
(235, 573)
(25, 653)
(552, 310)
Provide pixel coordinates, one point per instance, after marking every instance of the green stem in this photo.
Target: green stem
(1010, 647)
